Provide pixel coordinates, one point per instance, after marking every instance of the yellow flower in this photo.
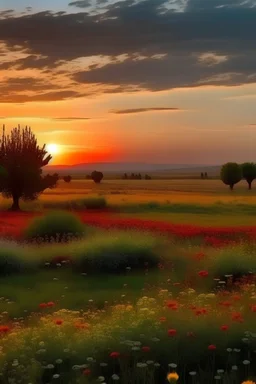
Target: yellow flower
(172, 377)
(248, 382)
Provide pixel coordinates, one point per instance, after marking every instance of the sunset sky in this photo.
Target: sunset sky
(154, 81)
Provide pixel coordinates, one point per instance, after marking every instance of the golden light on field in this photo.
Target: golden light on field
(53, 149)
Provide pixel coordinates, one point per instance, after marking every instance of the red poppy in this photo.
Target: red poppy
(145, 349)
(162, 319)
(58, 321)
(43, 305)
(211, 347)
(237, 316)
(225, 303)
(203, 273)
(236, 297)
(224, 328)
(4, 328)
(87, 372)
(50, 304)
(172, 332)
(114, 355)
(173, 304)
(253, 308)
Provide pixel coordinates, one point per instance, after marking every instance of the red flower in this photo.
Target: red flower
(50, 304)
(253, 308)
(172, 332)
(4, 328)
(58, 321)
(43, 305)
(236, 297)
(211, 347)
(224, 328)
(162, 319)
(114, 355)
(145, 349)
(203, 273)
(87, 372)
(237, 316)
(225, 303)
(200, 255)
(173, 304)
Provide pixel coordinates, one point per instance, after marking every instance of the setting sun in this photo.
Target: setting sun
(53, 149)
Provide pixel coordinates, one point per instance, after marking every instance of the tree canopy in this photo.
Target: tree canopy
(21, 162)
(231, 174)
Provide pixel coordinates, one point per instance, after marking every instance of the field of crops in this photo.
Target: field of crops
(143, 282)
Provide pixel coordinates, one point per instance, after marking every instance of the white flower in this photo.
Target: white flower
(50, 366)
(76, 367)
(101, 379)
(90, 359)
(172, 365)
(234, 367)
(229, 349)
(192, 373)
(246, 362)
(59, 361)
(41, 344)
(135, 348)
(237, 350)
(150, 362)
(115, 377)
(142, 365)
(220, 371)
(56, 376)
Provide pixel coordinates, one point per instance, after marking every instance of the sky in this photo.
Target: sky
(149, 81)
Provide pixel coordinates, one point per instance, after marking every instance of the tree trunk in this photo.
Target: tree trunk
(231, 187)
(15, 205)
(249, 185)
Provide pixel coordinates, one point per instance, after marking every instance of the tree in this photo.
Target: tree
(21, 160)
(202, 175)
(231, 174)
(97, 176)
(206, 175)
(249, 173)
(67, 179)
(147, 177)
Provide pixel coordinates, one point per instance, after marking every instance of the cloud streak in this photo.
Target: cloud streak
(142, 110)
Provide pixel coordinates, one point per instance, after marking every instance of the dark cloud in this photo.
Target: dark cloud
(223, 29)
(80, 4)
(139, 110)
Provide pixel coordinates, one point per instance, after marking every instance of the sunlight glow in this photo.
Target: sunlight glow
(53, 149)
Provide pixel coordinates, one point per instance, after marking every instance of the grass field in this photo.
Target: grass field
(159, 282)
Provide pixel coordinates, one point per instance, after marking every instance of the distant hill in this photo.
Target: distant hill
(119, 168)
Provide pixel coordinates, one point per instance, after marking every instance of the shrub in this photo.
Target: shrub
(116, 252)
(95, 203)
(13, 259)
(56, 225)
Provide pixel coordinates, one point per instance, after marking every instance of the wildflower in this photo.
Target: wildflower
(172, 365)
(4, 329)
(203, 273)
(224, 328)
(229, 349)
(142, 365)
(172, 377)
(172, 304)
(192, 373)
(145, 349)
(115, 377)
(50, 304)
(114, 355)
(234, 367)
(220, 371)
(162, 319)
(42, 305)
(212, 347)
(56, 376)
(248, 382)
(246, 362)
(58, 322)
(149, 362)
(86, 372)
(172, 332)
(253, 308)
(101, 379)
(59, 361)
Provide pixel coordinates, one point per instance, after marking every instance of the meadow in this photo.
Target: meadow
(130, 281)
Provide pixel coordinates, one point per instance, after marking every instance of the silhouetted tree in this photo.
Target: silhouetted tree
(147, 177)
(249, 173)
(206, 175)
(97, 176)
(139, 176)
(202, 175)
(67, 179)
(132, 176)
(231, 174)
(21, 160)
(125, 177)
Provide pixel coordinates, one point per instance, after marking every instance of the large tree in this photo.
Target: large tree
(21, 162)
(231, 174)
(97, 176)
(249, 173)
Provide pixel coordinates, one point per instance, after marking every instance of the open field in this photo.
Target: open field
(160, 281)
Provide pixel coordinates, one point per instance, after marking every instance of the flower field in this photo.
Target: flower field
(130, 300)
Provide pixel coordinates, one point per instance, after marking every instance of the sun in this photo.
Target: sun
(53, 149)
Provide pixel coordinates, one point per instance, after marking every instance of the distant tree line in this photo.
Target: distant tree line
(204, 175)
(232, 173)
(135, 176)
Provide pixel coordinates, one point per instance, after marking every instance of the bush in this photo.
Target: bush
(95, 203)
(57, 225)
(116, 252)
(13, 259)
